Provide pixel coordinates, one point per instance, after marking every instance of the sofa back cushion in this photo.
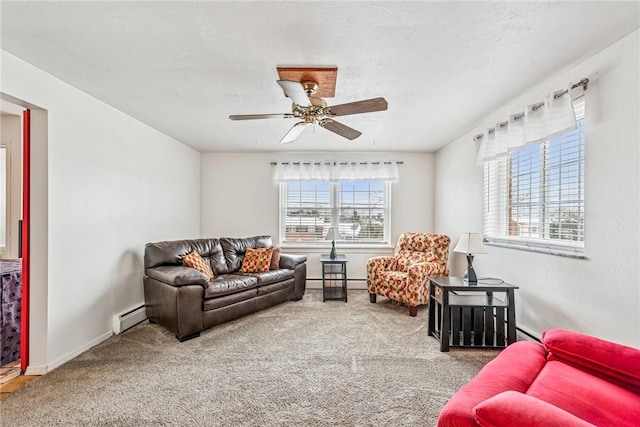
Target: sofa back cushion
(223, 255)
(599, 357)
(171, 253)
(234, 249)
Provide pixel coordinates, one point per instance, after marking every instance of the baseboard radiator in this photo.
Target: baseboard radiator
(128, 319)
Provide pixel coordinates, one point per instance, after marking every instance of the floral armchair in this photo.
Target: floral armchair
(403, 277)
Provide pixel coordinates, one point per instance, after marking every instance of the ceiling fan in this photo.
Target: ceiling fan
(314, 110)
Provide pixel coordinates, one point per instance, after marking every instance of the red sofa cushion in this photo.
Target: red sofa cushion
(514, 369)
(512, 408)
(588, 397)
(597, 356)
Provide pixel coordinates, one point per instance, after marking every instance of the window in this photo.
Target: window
(534, 196)
(358, 209)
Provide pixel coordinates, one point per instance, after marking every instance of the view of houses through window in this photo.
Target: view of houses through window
(357, 209)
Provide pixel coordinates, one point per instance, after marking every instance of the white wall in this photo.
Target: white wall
(240, 199)
(103, 185)
(599, 295)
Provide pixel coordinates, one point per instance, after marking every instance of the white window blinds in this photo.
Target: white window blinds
(359, 210)
(534, 195)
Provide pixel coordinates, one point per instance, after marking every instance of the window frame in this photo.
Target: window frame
(501, 180)
(335, 208)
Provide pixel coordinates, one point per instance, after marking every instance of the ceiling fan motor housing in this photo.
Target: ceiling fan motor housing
(310, 87)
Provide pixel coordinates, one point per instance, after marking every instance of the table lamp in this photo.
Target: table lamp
(470, 243)
(332, 233)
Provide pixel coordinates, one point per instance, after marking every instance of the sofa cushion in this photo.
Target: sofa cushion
(256, 260)
(590, 398)
(229, 283)
(194, 260)
(270, 276)
(275, 258)
(597, 356)
(223, 301)
(171, 253)
(234, 249)
(511, 408)
(273, 287)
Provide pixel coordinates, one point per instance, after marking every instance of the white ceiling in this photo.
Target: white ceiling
(183, 67)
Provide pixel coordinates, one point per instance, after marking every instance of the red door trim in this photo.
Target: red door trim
(26, 211)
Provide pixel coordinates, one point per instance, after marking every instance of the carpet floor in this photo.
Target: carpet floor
(304, 363)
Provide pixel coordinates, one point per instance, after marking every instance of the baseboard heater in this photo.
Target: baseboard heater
(128, 319)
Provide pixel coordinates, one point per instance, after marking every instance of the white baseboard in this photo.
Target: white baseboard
(64, 359)
(35, 370)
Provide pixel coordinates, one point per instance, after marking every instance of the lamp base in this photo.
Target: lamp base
(470, 274)
(333, 254)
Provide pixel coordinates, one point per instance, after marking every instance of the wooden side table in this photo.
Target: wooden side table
(334, 278)
(464, 315)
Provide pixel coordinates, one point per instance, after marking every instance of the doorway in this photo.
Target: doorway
(11, 275)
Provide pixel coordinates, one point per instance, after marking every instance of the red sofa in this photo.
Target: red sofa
(570, 380)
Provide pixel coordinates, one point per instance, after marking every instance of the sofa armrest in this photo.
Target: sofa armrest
(515, 368)
(601, 358)
(291, 261)
(512, 408)
(177, 275)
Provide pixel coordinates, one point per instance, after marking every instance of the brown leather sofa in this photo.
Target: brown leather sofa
(184, 301)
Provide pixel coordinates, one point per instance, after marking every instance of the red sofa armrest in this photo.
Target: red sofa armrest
(515, 368)
(605, 359)
(512, 408)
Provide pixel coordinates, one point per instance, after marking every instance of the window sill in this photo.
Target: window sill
(538, 248)
(346, 248)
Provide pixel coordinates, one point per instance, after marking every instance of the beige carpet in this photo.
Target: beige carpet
(303, 363)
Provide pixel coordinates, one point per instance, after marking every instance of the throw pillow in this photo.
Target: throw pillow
(257, 260)
(194, 260)
(275, 258)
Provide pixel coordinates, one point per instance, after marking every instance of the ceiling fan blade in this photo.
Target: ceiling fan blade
(295, 91)
(293, 133)
(366, 106)
(340, 129)
(260, 116)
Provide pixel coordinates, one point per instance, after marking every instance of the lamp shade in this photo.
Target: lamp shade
(470, 243)
(332, 234)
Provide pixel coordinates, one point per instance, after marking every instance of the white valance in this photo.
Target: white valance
(537, 122)
(336, 171)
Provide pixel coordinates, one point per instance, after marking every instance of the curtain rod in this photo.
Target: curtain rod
(335, 163)
(584, 83)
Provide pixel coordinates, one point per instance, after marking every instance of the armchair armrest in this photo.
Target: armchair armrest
(177, 275)
(382, 263)
(511, 408)
(291, 261)
(596, 356)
